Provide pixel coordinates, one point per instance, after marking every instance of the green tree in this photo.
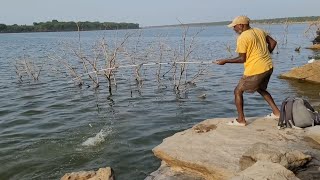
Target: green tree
(3, 27)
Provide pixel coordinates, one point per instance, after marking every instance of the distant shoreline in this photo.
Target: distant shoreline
(212, 24)
(56, 26)
(288, 20)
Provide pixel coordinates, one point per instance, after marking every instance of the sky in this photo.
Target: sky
(151, 12)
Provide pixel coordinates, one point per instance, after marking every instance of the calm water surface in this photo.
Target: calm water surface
(51, 127)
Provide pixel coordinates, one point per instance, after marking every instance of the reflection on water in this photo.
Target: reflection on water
(51, 127)
(307, 90)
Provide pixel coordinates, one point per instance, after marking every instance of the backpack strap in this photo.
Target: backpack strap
(282, 114)
(286, 118)
(282, 123)
(288, 112)
(307, 104)
(317, 119)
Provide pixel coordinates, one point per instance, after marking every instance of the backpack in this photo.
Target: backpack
(297, 112)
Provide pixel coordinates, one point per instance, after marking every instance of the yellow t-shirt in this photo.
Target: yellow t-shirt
(253, 43)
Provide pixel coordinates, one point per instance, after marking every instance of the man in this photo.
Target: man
(254, 47)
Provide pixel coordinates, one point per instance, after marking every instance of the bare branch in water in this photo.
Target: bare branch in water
(27, 68)
(106, 60)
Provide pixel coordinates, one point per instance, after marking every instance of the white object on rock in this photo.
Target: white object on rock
(311, 60)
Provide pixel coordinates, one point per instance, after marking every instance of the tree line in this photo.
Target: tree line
(289, 20)
(258, 21)
(55, 26)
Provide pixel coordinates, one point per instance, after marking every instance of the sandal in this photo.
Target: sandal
(235, 123)
(271, 116)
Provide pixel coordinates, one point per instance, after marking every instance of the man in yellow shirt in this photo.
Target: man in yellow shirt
(254, 47)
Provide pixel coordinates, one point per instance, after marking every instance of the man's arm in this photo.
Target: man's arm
(271, 43)
(240, 59)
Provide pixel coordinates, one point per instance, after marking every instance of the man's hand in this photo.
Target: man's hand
(220, 62)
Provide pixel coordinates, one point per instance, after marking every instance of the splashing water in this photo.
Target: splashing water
(97, 139)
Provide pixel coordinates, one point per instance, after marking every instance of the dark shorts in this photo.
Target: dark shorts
(251, 84)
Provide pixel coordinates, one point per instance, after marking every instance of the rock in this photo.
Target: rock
(314, 46)
(314, 133)
(308, 72)
(215, 150)
(101, 174)
(82, 175)
(264, 152)
(167, 173)
(263, 170)
(310, 174)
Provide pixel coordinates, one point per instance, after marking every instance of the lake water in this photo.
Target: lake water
(51, 127)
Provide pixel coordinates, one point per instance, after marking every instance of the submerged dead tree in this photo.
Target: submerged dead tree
(286, 32)
(27, 69)
(106, 59)
(313, 31)
(188, 48)
(110, 58)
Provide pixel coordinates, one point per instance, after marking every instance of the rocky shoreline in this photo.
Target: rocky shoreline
(213, 150)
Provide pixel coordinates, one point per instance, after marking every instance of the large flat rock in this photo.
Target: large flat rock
(309, 72)
(215, 150)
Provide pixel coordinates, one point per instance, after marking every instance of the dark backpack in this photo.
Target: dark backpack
(297, 112)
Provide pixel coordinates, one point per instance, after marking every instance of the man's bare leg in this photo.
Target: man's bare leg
(238, 98)
(267, 96)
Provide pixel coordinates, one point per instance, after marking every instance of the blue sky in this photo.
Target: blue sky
(151, 12)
